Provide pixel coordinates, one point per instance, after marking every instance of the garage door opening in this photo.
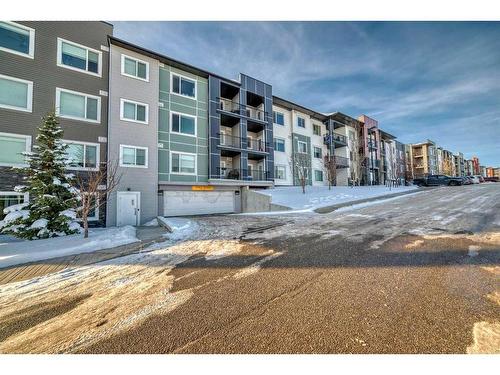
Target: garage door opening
(184, 203)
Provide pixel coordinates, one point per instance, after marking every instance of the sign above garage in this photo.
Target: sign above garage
(202, 188)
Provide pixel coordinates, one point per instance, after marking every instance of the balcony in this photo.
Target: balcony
(239, 174)
(372, 145)
(337, 139)
(341, 162)
(372, 164)
(255, 144)
(234, 108)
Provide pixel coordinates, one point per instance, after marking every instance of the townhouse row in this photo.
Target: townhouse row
(428, 158)
(186, 141)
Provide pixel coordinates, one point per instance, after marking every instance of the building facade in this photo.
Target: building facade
(423, 158)
(59, 67)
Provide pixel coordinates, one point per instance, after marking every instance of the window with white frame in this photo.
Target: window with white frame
(133, 156)
(182, 163)
(75, 56)
(78, 106)
(16, 38)
(318, 175)
(317, 152)
(12, 147)
(82, 155)
(278, 118)
(302, 147)
(182, 123)
(279, 144)
(10, 198)
(16, 93)
(134, 111)
(135, 68)
(301, 122)
(280, 172)
(183, 86)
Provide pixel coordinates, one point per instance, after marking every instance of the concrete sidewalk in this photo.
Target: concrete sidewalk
(146, 236)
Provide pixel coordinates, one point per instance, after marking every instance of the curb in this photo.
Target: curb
(328, 209)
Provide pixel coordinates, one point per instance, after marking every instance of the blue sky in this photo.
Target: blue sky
(420, 80)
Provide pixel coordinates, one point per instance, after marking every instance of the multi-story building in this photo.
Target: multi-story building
(469, 167)
(482, 171)
(59, 67)
(400, 162)
(476, 170)
(370, 150)
(496, 172)
(459, 164)
(423, 158)
(448, 163)
(440, 160)
(490, 172)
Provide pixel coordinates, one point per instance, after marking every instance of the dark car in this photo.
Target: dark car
(491, 179)
(438, 180)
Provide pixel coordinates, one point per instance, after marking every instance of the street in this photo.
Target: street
(412, 274)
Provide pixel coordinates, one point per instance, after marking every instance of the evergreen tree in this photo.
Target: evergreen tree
(52, 197)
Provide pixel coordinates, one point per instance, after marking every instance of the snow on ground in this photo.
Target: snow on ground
(320, 196)
(12, 253)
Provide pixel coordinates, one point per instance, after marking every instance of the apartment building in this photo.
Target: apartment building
(459, 164)
(388, 167)
(423, 157)
(475, 166)
(59, 67)
(448, 163)
(400, 161)
(369, 135)
(469, 167)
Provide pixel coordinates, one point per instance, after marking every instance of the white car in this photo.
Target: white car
(475, 179)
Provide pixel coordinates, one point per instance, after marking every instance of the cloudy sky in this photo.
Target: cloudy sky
(419, 80)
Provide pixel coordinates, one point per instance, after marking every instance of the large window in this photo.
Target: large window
(318, 175)
(10, 198)
(279, 144)
(279, 172)
(302, 147)
(279, 118)
(12, 147)
(80, 155)
(17, 39)
(182, 163)
(135, 68)
(317, 152)
(16, 93)
(183, 86)
(133, 111)
(78, 106)
(182, 124)
(133, 156)
(77, 57)
(301, 122)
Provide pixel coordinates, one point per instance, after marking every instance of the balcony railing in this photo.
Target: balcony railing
(229, 140)
(341, 162)
(329, 138)
(372, 145)
(228, 105)
(256, 145)
(373, 163)
(224, 173)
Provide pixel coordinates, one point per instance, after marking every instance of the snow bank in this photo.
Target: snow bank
(31, 251)
(320, 196)
(182, 228)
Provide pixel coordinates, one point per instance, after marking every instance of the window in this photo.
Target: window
(279, 118)
(16, 93)
(279, 172)
(316, 129)
(134, 111)
(318, 175)
(182, 163)
(302, 147)
(17, 39)
(279, 144)
(182, 124)
(81, 155)
(317, 152)
(301, 122)
(10, 198)
(135, 68)
(77, 57)
(78, 106)
(183, 86)
(12, 147)
(133, 156)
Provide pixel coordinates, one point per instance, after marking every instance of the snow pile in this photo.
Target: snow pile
(321, 196)
(31, 251)
(151, 223)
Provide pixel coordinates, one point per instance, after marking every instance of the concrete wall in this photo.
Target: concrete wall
(129, 133)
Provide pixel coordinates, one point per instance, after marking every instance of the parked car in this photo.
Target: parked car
(467, 180)
(491, 179)
(437, 180)
(475, 179)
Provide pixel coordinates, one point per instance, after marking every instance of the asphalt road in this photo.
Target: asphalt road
(414, 274)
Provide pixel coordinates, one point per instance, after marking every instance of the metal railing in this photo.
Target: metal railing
(229, 140)
(224, 173)
(329, 138)
(228, 105)
(256, 144)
